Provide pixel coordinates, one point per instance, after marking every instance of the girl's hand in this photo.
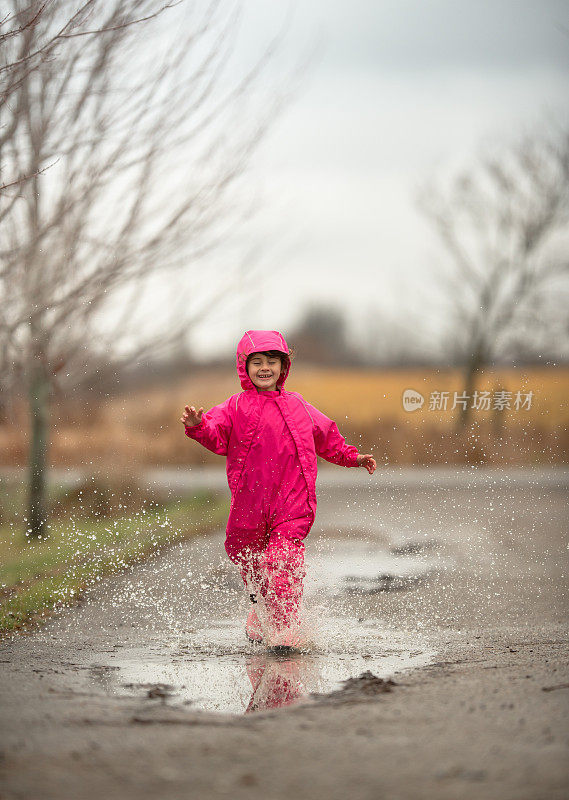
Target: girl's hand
(191, 416)
(368, 462)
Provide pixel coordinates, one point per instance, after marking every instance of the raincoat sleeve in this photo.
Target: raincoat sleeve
(329, 442)
(214, 430)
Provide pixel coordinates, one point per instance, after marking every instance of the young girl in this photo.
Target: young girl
(271, 438)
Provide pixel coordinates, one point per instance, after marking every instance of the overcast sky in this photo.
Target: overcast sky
(396, 91)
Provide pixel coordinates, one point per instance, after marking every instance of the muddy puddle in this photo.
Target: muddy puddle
(202, 660)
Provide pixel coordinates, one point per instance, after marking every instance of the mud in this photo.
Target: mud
(455, 686)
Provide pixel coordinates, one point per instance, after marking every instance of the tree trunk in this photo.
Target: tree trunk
(473, 367)
(498, 419)
(39, 413)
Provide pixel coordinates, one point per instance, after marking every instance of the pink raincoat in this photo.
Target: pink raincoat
(271, 440)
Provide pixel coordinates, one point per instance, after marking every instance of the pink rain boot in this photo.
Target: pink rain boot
(253, 629)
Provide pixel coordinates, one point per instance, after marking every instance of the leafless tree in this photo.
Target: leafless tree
(504, 224)
(123, 147)
(19, 26)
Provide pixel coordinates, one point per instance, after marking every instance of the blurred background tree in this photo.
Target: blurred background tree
(504, 223)
(321, 337)
(123, 136)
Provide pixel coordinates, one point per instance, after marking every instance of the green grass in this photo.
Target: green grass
(37, 576)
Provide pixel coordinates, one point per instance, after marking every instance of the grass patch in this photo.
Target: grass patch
(38, 576)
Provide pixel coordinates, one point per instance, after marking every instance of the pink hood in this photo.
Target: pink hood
(258, 342)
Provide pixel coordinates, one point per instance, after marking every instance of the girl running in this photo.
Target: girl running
(271, 438)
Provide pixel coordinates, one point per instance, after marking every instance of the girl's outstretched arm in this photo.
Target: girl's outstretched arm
(329, 442)
(213, 427)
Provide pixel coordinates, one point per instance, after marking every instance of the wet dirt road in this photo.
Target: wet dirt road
(456, 594)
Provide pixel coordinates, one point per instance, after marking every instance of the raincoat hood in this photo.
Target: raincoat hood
(258, 342)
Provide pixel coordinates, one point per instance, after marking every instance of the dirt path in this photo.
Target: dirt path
(484, 716)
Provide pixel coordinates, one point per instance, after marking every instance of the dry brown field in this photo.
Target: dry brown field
(144, 428)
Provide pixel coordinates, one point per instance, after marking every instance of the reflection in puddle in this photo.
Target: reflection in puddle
(275, 682)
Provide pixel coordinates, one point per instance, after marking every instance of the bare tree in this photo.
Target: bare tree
(504, 224)
(145, 134)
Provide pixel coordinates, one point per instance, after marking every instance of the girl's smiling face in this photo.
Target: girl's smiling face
(264, 370)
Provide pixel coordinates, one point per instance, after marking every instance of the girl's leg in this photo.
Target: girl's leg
(271, 564)
(281, 566)
(247, 562)
(273, 578)
(246, 536)
(253, 580)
